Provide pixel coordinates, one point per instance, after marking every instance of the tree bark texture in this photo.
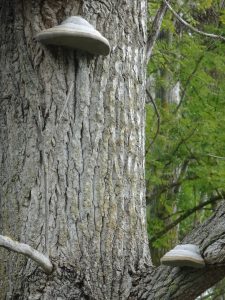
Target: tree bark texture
(72, 151)
(187, 283)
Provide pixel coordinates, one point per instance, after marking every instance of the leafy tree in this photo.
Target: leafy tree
(185, 164)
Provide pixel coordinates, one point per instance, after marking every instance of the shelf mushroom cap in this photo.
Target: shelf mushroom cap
(187, 255)
(75, 32)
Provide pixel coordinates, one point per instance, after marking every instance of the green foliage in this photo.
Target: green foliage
(204, 4)
(222, 16)
(186, 164)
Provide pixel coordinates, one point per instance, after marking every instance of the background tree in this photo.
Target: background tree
(185, 163)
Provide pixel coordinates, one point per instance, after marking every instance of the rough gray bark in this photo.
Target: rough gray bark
(72, 151)
(72, 155)
(188, 283)
(155, 30)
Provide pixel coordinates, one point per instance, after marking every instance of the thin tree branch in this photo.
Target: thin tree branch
(188, 82)
(222, 4)
(42, 260)
(211, 35)
(182, 141)
(155, 29)
(210, 47)
(215, 156)
(164, 188)
(186, 215)
(158, 118)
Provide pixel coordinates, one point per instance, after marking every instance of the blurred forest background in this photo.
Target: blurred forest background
(185, 125)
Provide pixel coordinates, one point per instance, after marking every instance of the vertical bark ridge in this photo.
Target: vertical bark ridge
(74, 125)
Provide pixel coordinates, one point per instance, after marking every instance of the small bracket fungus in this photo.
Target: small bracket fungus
(75, 32)
(184, 255)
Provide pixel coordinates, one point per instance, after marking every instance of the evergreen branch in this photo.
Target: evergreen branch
(188, 213)
(155, 29)
(211, 35)
(42, 260)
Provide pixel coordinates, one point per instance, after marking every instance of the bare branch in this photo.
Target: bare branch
(188, 82)
(164, 188)
(158, 117)
(42, 260)
(155, 30)
(211, 35)
(182, 141)
(186, 215)
(189, 79)
(215, 156)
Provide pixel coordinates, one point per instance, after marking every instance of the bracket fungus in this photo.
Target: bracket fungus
(187, 255)
(76, 33)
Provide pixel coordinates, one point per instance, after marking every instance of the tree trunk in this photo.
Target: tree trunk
(72, 151)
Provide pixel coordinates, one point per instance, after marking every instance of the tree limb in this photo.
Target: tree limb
(211, 35)
(42, 260)
(175, 283)
(186, 215)
(155, 29)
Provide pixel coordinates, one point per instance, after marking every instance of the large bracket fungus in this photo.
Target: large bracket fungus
(187, 255)
(75, 32)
